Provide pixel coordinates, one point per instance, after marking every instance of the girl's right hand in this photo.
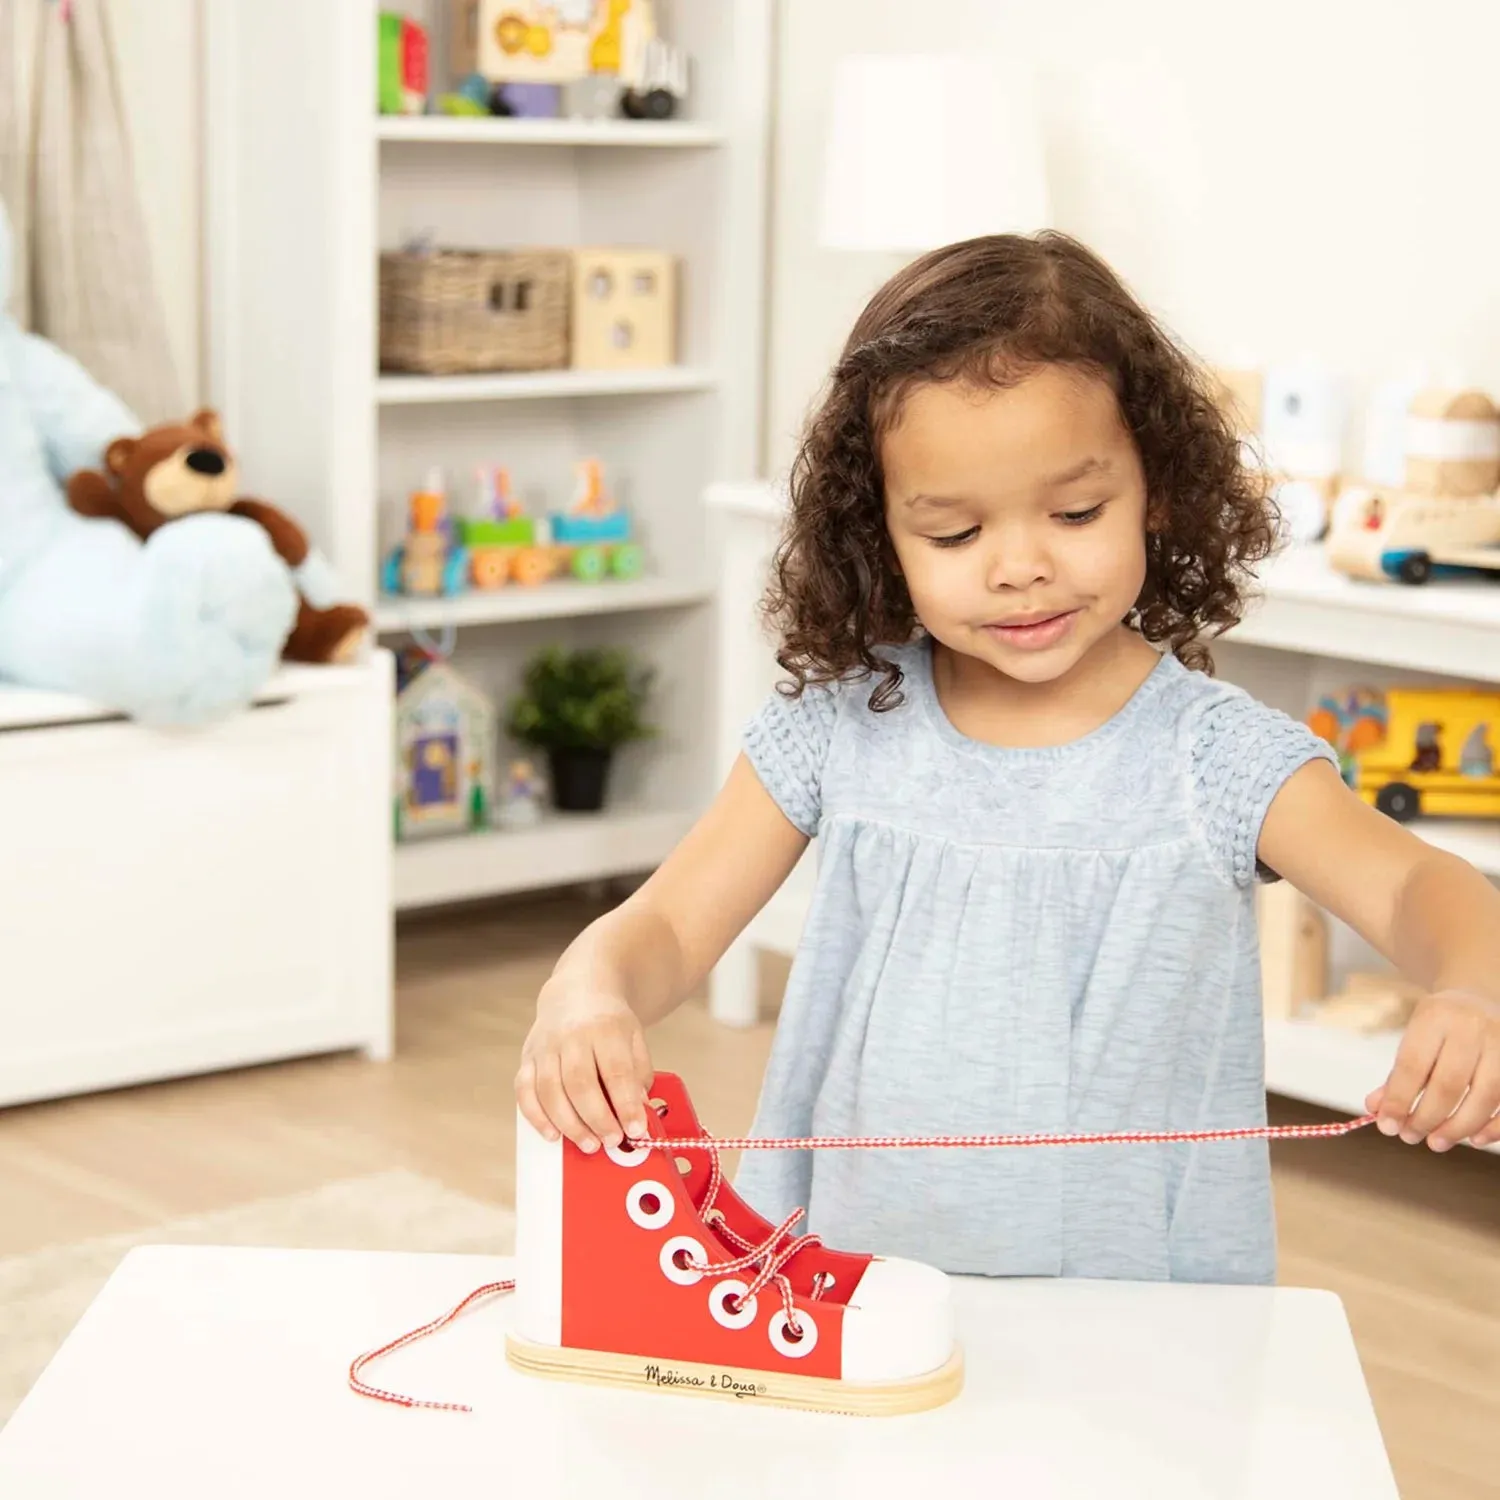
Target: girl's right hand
(585, 1070)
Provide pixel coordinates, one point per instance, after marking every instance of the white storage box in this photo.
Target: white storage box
(177, 902)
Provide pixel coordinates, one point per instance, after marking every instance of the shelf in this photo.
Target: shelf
(546, 601)
(1327, 1066)
(1451, 628)
(564, 849)
(538, 385)
(499, 130)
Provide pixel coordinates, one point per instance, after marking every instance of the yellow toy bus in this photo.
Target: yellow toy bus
(1437, 756)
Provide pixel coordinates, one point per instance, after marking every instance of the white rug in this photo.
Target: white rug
(45, 1292)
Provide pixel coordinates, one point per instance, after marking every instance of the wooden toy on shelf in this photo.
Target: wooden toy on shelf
(589, 542)
(1452, 443)
(1351, 721)
(1391, 534)
(1293, 950)
(402, 65)
(596, 57)
(1369, 1003)
(624, 309)
(658, 85)
(1443, 519)
(520, 802)
(445, 753)
(1433, 755)
(431, 559)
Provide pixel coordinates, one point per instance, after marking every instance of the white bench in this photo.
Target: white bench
(177, 902)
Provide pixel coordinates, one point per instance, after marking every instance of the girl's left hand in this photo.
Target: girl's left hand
(1450, 1055)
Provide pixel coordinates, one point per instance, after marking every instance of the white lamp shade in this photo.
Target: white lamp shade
(927, 149)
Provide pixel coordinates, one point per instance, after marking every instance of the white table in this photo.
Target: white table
(221, 1372)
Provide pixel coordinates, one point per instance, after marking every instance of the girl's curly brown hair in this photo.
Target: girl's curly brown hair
(989, 310)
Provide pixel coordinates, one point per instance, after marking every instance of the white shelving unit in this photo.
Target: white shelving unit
(301, 201)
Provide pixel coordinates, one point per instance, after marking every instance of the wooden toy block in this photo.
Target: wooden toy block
(1453, 443)
(1370, 1003)
(624, 310)
(424, 558)
(1293, 950)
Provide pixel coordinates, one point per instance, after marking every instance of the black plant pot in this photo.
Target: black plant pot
(579, 778)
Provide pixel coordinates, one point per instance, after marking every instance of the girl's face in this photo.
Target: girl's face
(1018, 518)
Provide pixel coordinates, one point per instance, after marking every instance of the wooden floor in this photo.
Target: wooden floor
(1409, 1240)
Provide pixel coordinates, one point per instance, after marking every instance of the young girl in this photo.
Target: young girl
(1039, 831)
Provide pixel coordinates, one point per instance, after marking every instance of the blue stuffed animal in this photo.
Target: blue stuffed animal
(179, 630)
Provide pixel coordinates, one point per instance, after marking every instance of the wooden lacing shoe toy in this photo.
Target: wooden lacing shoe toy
(639, 1266)
(702, 1295)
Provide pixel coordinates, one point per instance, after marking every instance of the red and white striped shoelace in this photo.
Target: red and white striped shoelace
(769, 1258)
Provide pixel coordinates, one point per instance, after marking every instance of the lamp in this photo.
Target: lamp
(926, 149)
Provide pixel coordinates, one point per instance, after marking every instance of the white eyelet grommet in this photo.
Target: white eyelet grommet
(656, 1218)
(783, 1345)
(626, 1155)
(727, 1291)
(678, 1245)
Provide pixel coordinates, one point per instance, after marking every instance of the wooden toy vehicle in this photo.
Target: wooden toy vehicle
(1397, 534)
(530, 552)
(1437, 756)
(590, 542)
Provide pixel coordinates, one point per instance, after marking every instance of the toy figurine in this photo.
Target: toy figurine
(496, 502)
(590, 497)
(430, 560)
(520, 804)
(1477, 758)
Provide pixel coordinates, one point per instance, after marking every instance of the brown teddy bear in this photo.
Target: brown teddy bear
(176, 470)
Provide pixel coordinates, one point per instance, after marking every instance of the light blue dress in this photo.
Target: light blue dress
(1054, 939)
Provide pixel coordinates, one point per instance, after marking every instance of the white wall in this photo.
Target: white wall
(1276, 178)
(157, 42)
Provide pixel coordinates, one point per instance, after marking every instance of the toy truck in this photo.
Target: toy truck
(1437, 756)
(1411, 538)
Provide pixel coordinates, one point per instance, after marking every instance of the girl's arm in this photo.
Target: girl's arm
(585, 1068)
(1432, 915)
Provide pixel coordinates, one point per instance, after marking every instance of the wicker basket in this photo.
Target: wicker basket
(454, 311)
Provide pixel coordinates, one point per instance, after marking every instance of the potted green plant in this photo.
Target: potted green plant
(579, 707)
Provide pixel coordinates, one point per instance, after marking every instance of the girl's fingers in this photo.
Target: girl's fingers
(580, 1076)
(616, 1063)
(1489, 1134)
(554, 1099)
(530, 1106)
(1418, 1052)
(1477, 1110)
(1450, 1077)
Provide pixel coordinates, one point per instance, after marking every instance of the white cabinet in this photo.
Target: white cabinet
(175, 902)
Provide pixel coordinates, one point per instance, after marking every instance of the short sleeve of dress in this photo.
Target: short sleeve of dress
(1241, 754)
(787, 742)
